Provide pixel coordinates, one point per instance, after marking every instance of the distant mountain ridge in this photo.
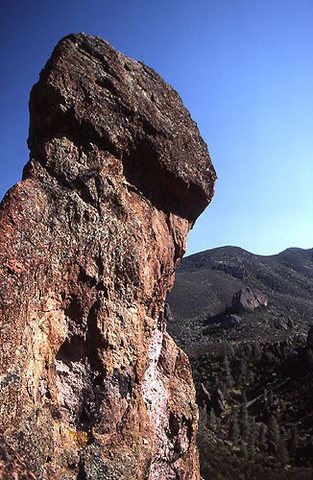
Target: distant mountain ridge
(206, 282)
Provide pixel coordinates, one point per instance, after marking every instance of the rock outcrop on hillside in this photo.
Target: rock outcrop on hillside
(248, 299)
(92, 386)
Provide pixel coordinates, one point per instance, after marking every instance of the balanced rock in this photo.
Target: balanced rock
(248, 299)
(92, 386)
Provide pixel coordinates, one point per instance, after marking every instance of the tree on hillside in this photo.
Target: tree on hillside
(273, 431)
(234, 430)
(244, 419)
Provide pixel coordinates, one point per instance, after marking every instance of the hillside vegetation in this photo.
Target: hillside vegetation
(254, 375)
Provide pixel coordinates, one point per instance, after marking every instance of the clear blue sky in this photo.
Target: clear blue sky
(243, 68)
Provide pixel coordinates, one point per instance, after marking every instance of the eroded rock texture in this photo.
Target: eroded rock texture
(92, 386)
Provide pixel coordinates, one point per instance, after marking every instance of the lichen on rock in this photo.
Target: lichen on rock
(91, 385)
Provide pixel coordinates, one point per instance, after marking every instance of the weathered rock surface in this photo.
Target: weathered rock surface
(92, 386)
(12, 466)
(248, 299)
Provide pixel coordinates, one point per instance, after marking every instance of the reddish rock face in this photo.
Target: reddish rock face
(11, 465)
(92, 386)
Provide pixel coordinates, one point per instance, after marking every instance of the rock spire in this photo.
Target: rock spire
(92, 386)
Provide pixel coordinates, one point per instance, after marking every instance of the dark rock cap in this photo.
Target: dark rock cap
(95, 94)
